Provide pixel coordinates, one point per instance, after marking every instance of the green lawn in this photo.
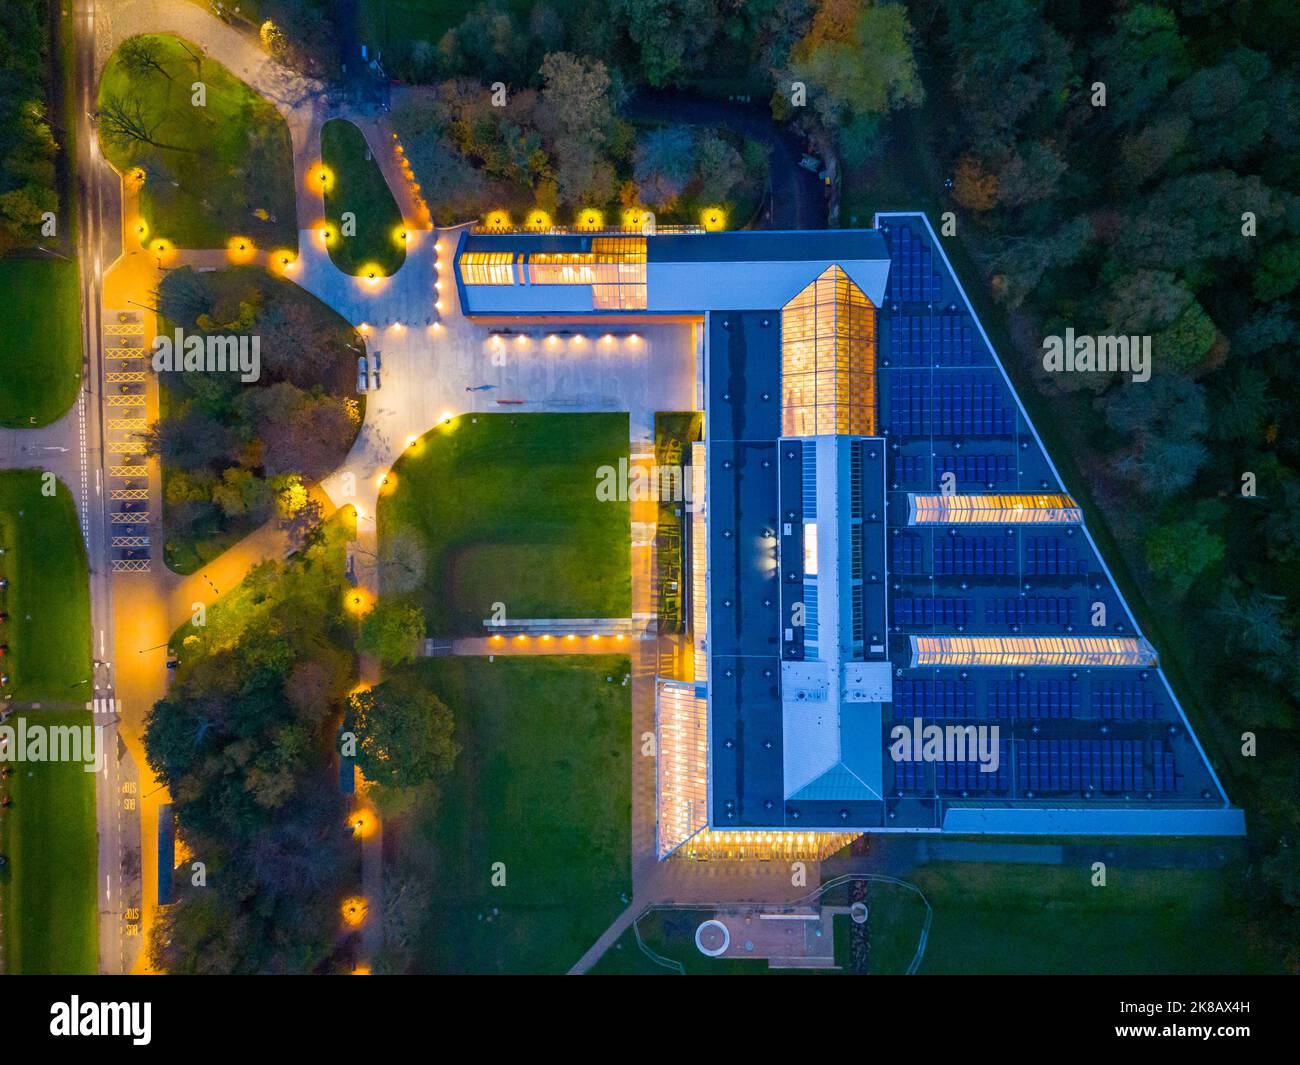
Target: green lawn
(543, 785)
(995, 918)
(40, 340)
(217, 171)
(48, 886)
(359, 187)
(502, 508)
(48, 598)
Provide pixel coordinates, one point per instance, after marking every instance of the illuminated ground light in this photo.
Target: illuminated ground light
(401, 236)
(282, 261)
(590, 218)
(372, 275)
(437, 247)
(163, 249)
(321, 178)
(635, 217)
(497, 220)
(240, 250)
(396, 327)
(354, 910)
(538, 219)
(326, 235)
(445, 418)
(362, 822)
(361, 970)
(358, 601)
(387, 483)
(140, 229)
(713, 218)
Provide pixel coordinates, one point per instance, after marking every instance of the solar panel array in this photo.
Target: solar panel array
(907, 554)
(956, 404)
(1125, 700)
(1054, 766)
(969, 555)
(1165, 778)
(967, 775)
(979, 469)
(1031, 610)
(938, 698)
(1022, 697)
(938, 340)
(912, 276)
(1052, 556)
(927, 611)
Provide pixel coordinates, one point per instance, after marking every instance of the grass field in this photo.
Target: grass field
(48, 886)
(217, 171)
(995, 918)
(360, 188)
(503, 508)
(40, 340)
(543, 785)
(48, 598)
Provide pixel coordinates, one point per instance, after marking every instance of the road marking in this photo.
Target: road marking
(101, 643)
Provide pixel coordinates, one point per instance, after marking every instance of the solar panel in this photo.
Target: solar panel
(926, 611)
(1055, 611)
(982, 470)
(1125, 700)
(934, 698)
(907, 555)
(967, 555)
(1034, 698)
(1052, 556)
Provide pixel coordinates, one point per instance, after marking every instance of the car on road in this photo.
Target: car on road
(363, 378)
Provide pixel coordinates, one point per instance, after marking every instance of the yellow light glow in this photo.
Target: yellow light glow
(713, 219)
(240, 250)
(163, 249)
(401, 236)
(497, 220)
(538, 220)
(354, 910)
(363, 822)
(141, 230)
(282, 261)
(589, 218)
(634, 217)
(358, 601)
(387, 483)
(320, 178)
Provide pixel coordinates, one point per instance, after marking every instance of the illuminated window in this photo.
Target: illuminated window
(810, 550)
(614, 268)
(1047, 509)
(828, 359)
(681, 765)
(1031, 651)
(487, 268)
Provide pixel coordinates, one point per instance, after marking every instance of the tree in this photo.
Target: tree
(577, 115)
(973, 186)
(662, 166)
(404, 734)
(392, 631)
(124, 121)
(1279, 271)
(1144, 55)
(1181, 551)
(856, 76)
(139, 56)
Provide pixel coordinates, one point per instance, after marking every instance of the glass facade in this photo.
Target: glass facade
(487, 268)
(828, 359)
(1046, 509)
(614, 268)
(1031, 651)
